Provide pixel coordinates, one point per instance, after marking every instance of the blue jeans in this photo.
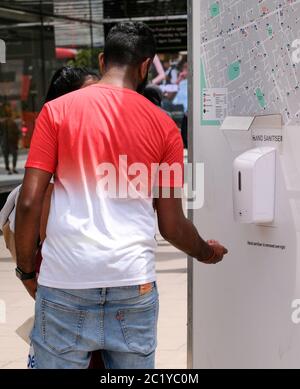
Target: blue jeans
(70, 324)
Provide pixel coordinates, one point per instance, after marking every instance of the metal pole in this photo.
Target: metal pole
(191, 160)
(91, 31)
(43, 59)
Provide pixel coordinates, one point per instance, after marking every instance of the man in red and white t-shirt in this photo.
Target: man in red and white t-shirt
(109, 149)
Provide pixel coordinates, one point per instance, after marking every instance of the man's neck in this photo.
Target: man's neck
(120, 77)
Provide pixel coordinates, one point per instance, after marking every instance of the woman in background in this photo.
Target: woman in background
(65, 80)
(68, 79)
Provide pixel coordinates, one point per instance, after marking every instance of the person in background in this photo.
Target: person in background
(184, 72)
(171, 73)
(10, 140)
(154, 94)
(182, 94)
(160, 73)
(65, 80)
(182, 99)
(69, 79)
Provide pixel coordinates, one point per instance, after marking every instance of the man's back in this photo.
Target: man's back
(97, 288)
(104, 144)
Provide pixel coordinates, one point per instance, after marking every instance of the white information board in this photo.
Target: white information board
(244, 313)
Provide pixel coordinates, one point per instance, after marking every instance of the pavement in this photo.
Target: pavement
(172, 331)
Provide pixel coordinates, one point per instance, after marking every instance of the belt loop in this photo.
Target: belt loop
(103, 293)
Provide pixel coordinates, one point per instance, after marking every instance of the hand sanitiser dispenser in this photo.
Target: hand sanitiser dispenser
(254, 186)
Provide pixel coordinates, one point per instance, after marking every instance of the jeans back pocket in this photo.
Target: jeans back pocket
(61, 326)
(139, 327)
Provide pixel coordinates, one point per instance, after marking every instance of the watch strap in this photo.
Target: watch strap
(25, 276)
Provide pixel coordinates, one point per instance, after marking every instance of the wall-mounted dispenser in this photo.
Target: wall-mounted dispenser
(254, 175)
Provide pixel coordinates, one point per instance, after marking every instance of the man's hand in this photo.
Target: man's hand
(31, 287)
(181, 232)
(218, 255)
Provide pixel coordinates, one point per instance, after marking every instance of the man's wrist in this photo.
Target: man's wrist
(25, 276)
(211, 255)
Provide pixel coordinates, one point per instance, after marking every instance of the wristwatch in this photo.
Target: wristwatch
(25, 276)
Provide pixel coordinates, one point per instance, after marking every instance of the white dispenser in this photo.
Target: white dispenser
(254, 186)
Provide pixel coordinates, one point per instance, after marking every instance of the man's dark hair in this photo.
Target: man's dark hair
(129, 44)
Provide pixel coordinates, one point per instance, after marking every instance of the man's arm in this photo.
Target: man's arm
(181, 233)
(28, 217)
(45, 212)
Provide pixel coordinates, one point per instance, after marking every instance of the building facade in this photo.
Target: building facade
(37, 37)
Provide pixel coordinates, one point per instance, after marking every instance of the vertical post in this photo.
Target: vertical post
(2, 51)
(91, 31)
(42, 40)
(191, 160)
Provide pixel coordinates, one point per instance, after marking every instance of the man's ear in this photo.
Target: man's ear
(144, 68)
(101, 63)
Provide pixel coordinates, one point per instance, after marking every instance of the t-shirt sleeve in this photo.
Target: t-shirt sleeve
(43, 148)
(171, 170)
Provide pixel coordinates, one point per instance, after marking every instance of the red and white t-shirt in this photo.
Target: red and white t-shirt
(95, 239)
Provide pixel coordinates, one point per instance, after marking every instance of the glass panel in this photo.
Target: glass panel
(38, 37)
(21, 85)
(41, 36)
(78, 23)
(122, 9)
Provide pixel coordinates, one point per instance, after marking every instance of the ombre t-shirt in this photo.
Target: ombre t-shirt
(105, 146)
